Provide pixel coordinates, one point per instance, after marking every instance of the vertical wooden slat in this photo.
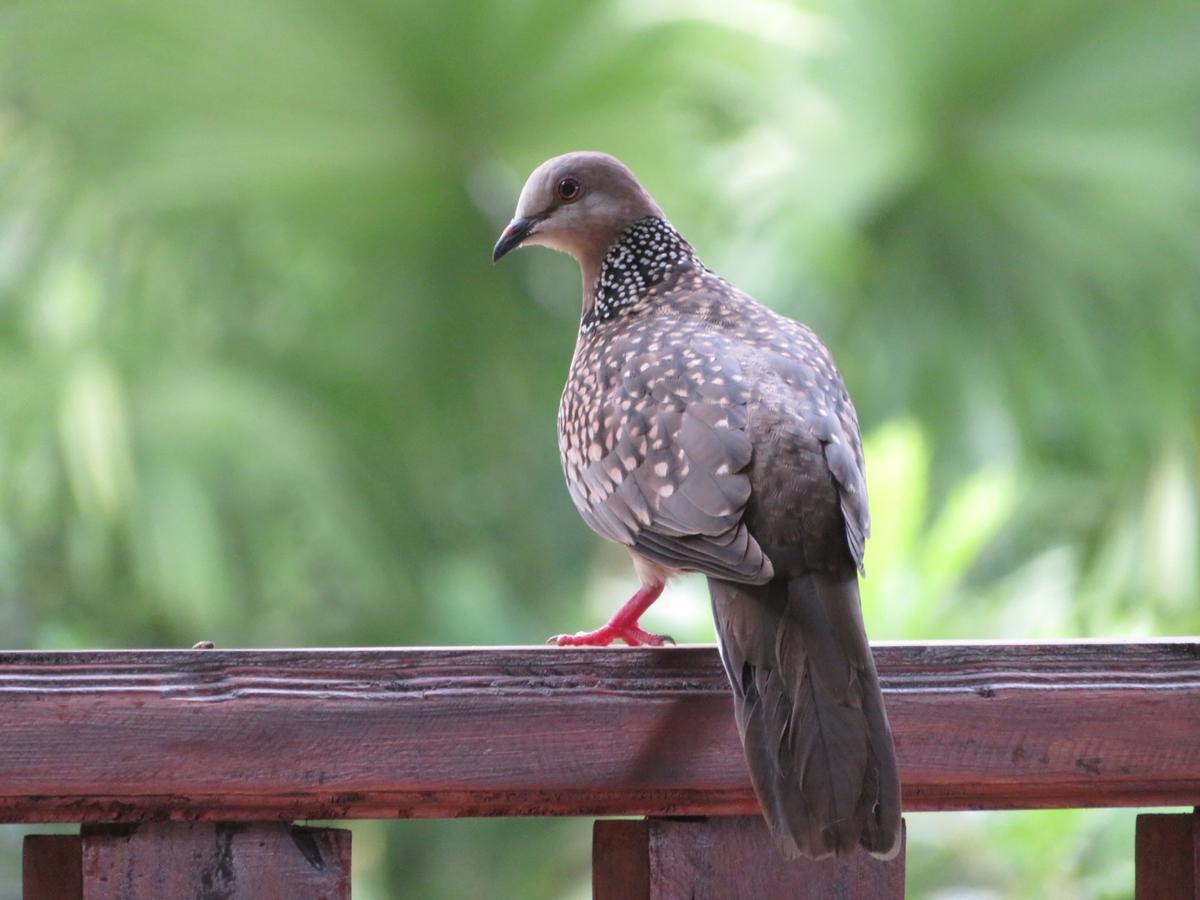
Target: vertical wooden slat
(731, 858)
(620, 861)
(50, 867)
(1167, 856)
(257, 861)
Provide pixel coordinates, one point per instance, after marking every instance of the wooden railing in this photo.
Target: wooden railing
(114, 739)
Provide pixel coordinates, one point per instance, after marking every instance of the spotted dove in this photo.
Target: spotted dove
(708, 434)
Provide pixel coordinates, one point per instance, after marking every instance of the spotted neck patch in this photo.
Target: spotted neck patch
(642, 257)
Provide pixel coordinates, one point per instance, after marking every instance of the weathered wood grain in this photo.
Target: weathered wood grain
(731, 858)
(253, 861)
(254, 735)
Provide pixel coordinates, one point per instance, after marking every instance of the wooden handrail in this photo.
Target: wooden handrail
(125, 736)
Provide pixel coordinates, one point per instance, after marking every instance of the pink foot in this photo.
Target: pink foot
(606, 634)
(623, 625)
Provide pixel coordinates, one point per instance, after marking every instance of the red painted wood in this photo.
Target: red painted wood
(620, 859)
(252, 861)
(51, 867)
(731, 858)
(1167, 857)
(254, 735)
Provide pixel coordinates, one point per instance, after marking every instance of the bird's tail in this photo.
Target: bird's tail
(810, 713)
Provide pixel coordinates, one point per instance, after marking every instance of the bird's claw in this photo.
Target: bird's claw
(606, 634)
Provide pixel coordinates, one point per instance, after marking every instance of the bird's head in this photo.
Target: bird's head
(578, 203)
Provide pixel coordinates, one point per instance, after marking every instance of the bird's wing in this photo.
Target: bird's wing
(820, 405)
(845, 458)
(672, 481)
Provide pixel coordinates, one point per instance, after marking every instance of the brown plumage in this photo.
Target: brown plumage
(708, 434)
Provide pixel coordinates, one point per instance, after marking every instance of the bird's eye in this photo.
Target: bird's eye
(569, 189)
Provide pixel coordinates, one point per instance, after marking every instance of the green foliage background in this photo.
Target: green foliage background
(260, 384)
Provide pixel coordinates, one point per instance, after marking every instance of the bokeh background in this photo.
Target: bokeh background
(260, 384)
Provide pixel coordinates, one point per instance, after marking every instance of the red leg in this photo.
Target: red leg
(623, 625)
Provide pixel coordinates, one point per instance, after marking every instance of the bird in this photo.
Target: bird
(707, 433)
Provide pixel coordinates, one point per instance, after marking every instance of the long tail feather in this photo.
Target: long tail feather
(810, 712)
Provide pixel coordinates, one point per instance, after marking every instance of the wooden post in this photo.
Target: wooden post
(255, 861)
(51, 867)
(727, 858)
(1167, 857)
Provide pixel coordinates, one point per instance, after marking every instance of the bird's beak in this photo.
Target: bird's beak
(517, 231)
